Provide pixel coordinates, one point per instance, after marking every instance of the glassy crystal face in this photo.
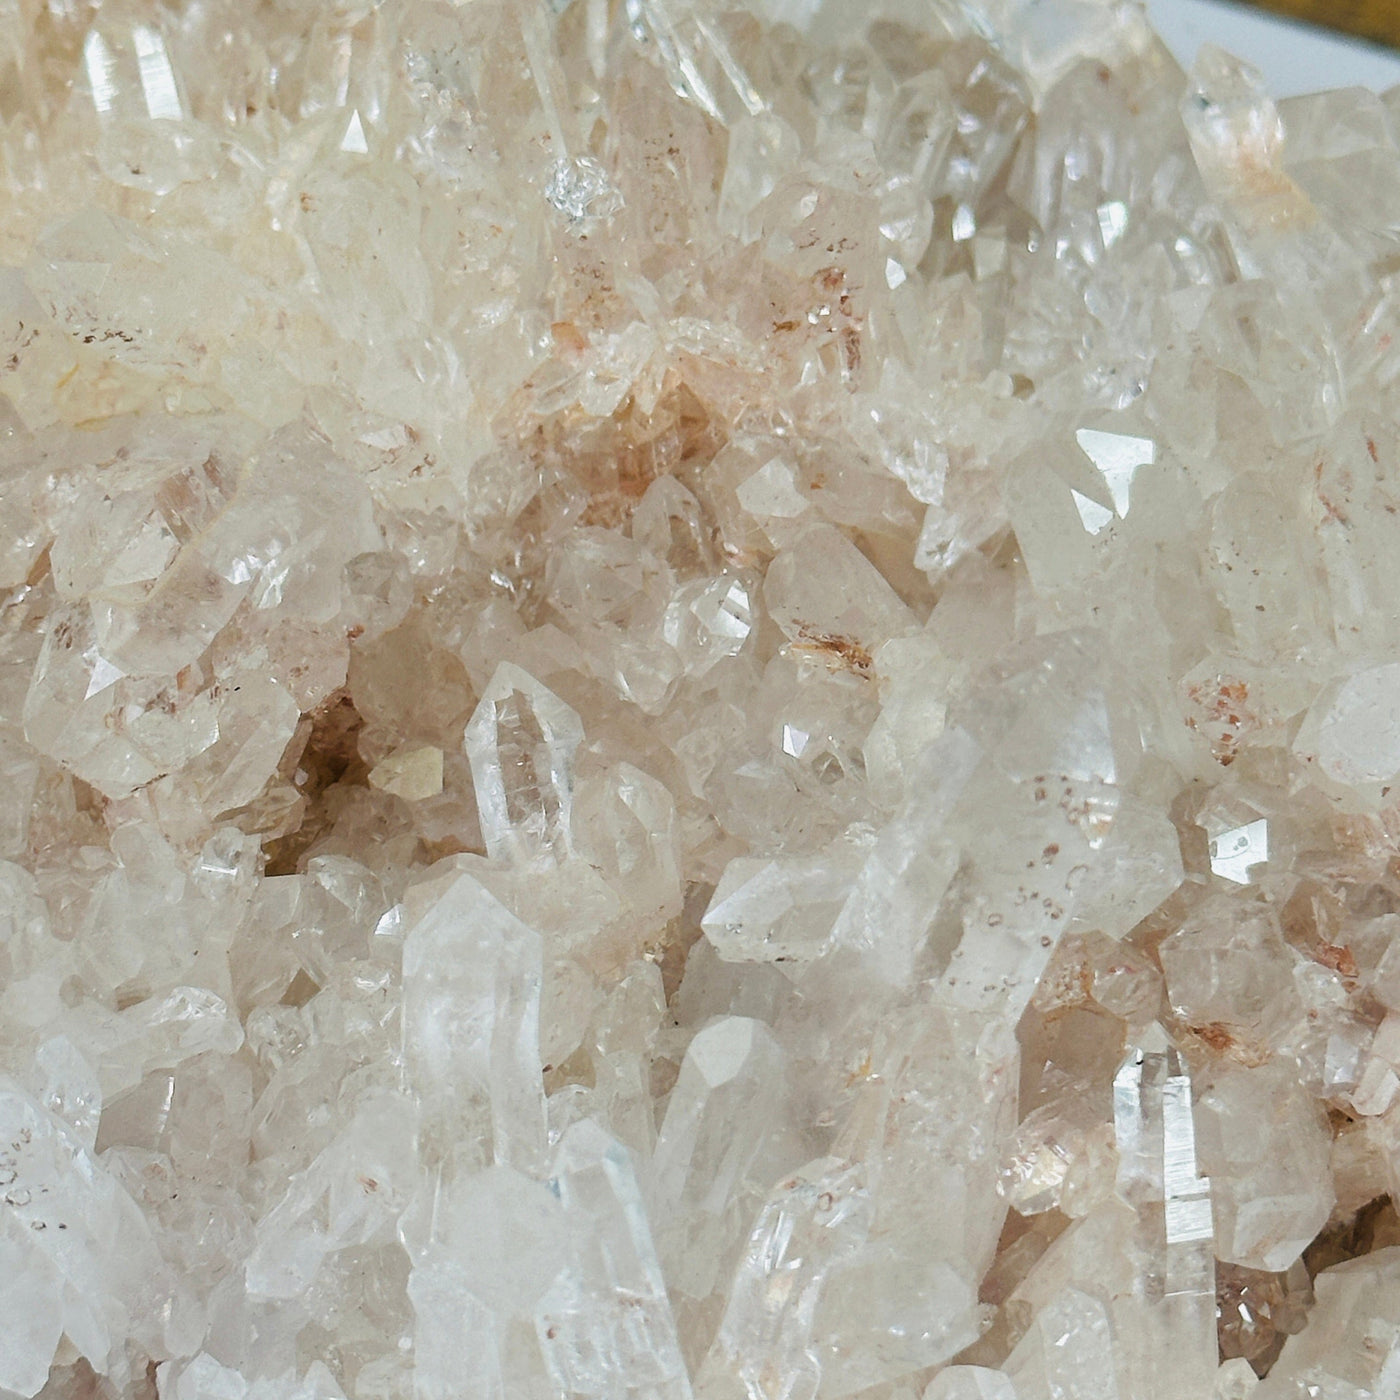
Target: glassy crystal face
(520, 744)
(696, 700)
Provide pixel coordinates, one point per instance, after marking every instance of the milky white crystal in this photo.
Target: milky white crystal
(698, 698)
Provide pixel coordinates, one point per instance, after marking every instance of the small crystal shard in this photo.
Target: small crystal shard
(579, 188)
(1094, 516)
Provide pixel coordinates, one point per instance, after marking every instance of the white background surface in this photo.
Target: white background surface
(1294, 58)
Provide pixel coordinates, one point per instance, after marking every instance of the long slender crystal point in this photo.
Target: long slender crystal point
(605, 1327)
(722, 1142)
(1167, 1324)
(471, 1021)
(521, 743)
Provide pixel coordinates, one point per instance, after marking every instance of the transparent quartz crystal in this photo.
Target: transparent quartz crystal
(698, 698)
(607, 1319)
(1172, 1327)
(521, 742)
(764, 1345)
(471, 989)
(706, 1178)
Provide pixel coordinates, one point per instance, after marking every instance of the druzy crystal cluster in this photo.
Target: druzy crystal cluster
(696, 703)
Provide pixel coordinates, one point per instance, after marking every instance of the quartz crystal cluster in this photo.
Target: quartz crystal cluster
(698, 701)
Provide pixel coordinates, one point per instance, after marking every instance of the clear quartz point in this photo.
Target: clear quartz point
(606, 1327)
(1169, 1320)
(471, 1021)
(707, 1178)
(810, 1222)
(521, 743)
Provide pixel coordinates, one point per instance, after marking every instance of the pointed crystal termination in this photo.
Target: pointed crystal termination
(1237, 138)
(1171, 1352)
(908, 870)
(781, 909)
(521, 743)
(205, 1379)
(471, 1022)
(831, 602)
(605, 1327)
(707, 620)
(1266, 1144)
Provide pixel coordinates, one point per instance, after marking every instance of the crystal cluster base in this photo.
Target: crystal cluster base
(698, 701)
